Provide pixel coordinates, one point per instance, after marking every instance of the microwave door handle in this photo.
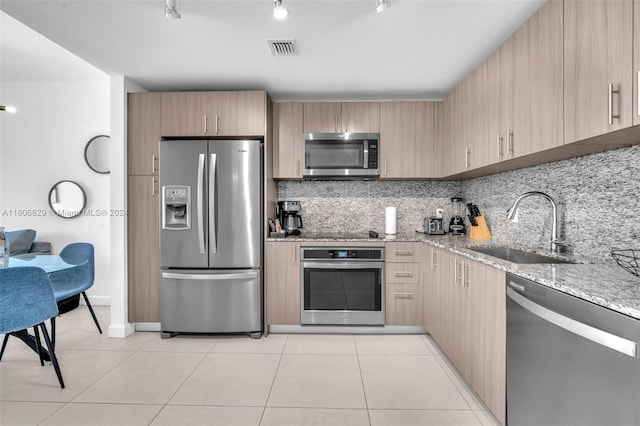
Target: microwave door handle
(366, 155)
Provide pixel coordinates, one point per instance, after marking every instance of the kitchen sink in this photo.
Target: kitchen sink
(518, 256)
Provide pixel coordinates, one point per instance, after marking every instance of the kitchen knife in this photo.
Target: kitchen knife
(472, 220)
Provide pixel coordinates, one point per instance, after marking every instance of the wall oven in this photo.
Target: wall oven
(341, 155)
(342, 286)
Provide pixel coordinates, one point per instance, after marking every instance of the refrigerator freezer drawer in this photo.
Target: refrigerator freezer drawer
(210, 301)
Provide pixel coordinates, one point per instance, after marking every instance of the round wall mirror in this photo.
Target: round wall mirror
(96, 154)
(67, 199)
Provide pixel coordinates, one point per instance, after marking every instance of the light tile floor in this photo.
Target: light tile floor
(296, 379)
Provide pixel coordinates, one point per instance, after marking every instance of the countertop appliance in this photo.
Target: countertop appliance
(288, 213)
(342, 286)
(569, 362)
(341, 155)
(211, 236)
(434, 226)
(456, 224)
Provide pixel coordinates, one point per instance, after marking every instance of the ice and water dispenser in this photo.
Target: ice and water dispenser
(176, 207)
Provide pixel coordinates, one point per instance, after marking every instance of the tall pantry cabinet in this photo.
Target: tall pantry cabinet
(143, 206)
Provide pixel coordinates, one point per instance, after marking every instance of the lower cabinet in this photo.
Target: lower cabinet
(403, 287)
(282, 282)
(143, 257)
(465, 313)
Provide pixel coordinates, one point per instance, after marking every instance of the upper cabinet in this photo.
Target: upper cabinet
(352, 117)
(287, 137)
(636, 62)
(407, 134)
(241, 113)
(598, 39)
(143, 132)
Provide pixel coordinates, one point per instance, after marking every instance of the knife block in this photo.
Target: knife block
(481, 231)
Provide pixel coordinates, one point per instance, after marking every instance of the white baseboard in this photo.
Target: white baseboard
(97, 300)
(341, 329)
(120, 330)
(147, 326)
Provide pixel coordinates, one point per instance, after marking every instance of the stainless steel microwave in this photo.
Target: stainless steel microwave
(341, 155)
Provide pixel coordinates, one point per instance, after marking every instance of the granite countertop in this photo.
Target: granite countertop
(599, 281)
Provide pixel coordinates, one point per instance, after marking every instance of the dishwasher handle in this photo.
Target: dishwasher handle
(601, 337)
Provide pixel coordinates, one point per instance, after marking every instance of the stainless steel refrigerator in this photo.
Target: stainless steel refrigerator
(211, 237)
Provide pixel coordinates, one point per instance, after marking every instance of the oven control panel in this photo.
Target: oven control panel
(341, 253)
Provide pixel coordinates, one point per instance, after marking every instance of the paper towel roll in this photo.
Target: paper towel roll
(390, 221)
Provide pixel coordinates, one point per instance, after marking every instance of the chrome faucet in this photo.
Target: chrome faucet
(513, 212)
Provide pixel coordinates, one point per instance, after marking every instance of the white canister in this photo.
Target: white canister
(390, 221)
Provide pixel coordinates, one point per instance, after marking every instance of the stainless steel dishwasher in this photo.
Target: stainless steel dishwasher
(569, 362)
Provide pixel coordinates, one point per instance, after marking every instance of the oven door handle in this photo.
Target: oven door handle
(342, 265)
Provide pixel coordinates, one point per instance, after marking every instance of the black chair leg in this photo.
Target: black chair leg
(4, 345)
(54, 359)
(95, 319)
(53, 332)
(38, 344)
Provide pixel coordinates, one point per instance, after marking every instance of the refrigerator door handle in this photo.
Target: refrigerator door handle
(212, 203)
(213, 277)
(200, 208)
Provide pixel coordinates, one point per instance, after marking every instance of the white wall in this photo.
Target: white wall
(44, 143)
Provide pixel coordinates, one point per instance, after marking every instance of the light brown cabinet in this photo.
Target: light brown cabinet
(407, 133)
(287, 140)
(636, 62)
(234, 113)
(465, 313)
(598, 38)
(144, 114)
(352, 117)
(143, 247)
(403, 287)
(143, 132)
(282, 282)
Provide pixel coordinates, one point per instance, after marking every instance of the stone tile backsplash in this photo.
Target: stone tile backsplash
(596, 197)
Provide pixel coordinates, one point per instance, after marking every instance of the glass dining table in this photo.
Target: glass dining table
(50, 263)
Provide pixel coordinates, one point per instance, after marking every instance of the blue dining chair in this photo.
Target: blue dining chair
(74, 281)
(27, 300)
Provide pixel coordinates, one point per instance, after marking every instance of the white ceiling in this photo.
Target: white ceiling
(417, 49)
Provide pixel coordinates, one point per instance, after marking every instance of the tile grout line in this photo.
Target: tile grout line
(206, 354)
(364, 391)
(264, 409)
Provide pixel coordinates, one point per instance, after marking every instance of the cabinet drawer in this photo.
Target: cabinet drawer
(402, 252)
(400, 273)
(403, 304)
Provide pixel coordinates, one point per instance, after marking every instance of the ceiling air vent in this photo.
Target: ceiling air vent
(283, 47)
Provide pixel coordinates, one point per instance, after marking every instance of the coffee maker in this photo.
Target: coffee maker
(456, 224)
(288, 213)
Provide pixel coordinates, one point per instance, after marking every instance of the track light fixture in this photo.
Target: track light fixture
(170, 10)
(9, 109)
(382, 5)
(279, 11)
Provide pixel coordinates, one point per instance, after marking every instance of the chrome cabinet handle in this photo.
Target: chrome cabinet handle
(154, 182)
(466, 158)
(499, 143)
(433, 259)
(403, 274)
(205, 124)
(346, 126)
(604, 338)
(154, 161)
(217, 123)
(510, 141)
(403, 252)
(403, 294)
(611, 115)
(385, 167)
